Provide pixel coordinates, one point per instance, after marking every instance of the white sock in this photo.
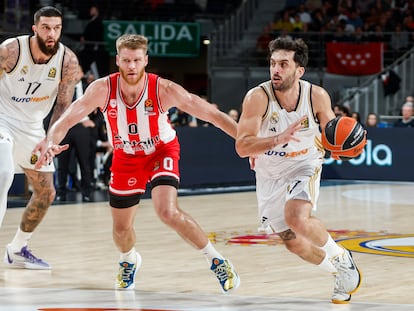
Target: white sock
(210, 252)
(130, 256)
(327, 265)
(20, 240)
(331, 248)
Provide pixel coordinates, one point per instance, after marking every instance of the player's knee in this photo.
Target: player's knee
(45, 195)
(122, 229)
(169, 216)
(295, 222)
(49, 194)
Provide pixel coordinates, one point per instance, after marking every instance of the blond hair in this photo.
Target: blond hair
(132, 42)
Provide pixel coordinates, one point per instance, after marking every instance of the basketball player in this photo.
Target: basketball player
(145, 150)
(35, 70)
(279, 129)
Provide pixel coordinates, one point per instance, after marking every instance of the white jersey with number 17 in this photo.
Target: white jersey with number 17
(28, 91)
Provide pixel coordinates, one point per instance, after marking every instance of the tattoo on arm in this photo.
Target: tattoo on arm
(70, 77)
(287, 235)
(9, 54)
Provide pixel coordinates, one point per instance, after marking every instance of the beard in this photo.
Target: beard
(49, 51)
(286, 83)
(129, 80)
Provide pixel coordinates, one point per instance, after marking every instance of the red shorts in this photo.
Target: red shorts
(131, 173)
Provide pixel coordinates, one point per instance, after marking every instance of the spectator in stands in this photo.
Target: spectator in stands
(297, 24)
(282, 24)
(304, 14)
(381, 6)
(78, 138)
(355, 19)
(341, 110)
(407, 116)
(313, 5)
(101, 151)
(319, 21)
(181, 118)
(234, 114)
(355, 115)
(92, 40)
(262, 46)
(371, 120)
(399, 41)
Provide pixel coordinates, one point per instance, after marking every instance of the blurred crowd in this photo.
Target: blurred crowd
(387, 21)
(405, 119)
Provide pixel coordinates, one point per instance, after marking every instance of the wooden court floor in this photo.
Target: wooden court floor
(376, 220)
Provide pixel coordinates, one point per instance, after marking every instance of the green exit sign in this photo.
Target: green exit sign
(165, 39)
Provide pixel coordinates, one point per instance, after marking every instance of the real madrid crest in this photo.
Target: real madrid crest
(274, 118)
(52, 72)
(305, 123)
(24, 70)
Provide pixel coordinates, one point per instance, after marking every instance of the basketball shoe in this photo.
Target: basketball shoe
(226, 275)
(126, 274)
(24, 259)
(347, 279)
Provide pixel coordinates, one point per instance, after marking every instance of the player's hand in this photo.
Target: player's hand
(44, 152)
(288, 134)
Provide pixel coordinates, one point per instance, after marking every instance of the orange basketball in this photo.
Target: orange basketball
(344, 138)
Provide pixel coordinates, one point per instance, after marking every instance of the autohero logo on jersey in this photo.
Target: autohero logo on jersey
(284, 154)
(29, 99)
(380, 155)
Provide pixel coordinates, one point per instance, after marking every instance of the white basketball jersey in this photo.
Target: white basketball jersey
(284, 159)
(28, 92)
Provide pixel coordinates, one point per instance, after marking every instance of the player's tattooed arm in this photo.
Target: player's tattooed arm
(71, 75)
(287, 235)
(9, 53)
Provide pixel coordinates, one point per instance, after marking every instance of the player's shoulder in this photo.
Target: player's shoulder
(258, 93)
(9, 44)
(69, 57)
(99, 86)
(10, 41)
(9, 54)
(318, 91)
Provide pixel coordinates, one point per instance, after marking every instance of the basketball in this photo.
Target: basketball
(344, 138)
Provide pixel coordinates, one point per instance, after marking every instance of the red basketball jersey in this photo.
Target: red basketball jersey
(139, 129)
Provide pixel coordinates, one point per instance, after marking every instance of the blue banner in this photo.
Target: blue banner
(388, 155)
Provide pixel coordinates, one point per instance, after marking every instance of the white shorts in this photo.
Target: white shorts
(272, 195)
(24, 137)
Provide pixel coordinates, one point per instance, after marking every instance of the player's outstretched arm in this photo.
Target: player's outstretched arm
(94, 97)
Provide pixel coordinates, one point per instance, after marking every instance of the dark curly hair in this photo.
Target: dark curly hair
(297, 45)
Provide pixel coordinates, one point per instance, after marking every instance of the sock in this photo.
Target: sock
(130, 256)
(210, 252)
(20, 240)
(327, 265)
(331, 248)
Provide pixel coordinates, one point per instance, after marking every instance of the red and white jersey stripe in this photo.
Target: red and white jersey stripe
(139, 129)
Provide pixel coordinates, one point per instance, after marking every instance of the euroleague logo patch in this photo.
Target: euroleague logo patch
(378, 243)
